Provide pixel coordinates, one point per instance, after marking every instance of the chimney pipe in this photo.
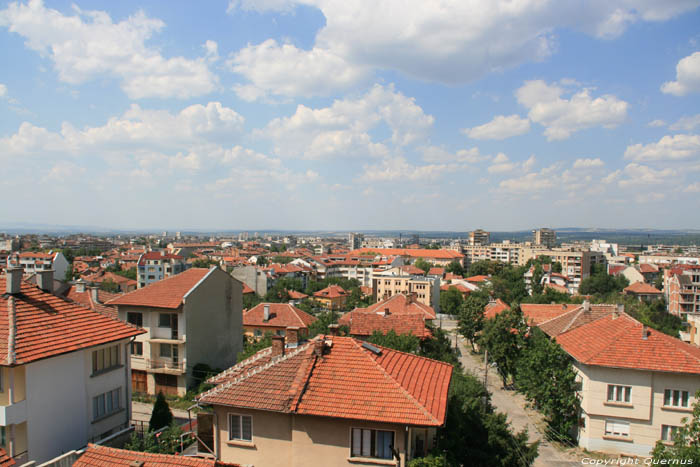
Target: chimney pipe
(277, 346)
(620, 308)
(44, 279)
(292, 336)
(334, 329)
(645, 332)
(266, 312)
(80, 286)
(586, 305)
(13, 280)
(318, 347)
(94, 294)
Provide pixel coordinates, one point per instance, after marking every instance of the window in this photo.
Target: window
(240, 427)
(137, 348)
(106, 404)
(165, 320)
(668, 432)
(166, 350)
(105, 359)
(2, 437)
(372, 443)
(257, 333)
(617, 428)
(676, 398)
(619, 393)
(280, 332)
(135, 318)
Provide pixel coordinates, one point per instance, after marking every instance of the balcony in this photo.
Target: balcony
(164, 365)
(13, 414)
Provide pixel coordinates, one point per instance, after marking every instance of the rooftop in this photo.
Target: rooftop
(400, 304)
(642, 288)
(166, 293)
(362, 323)
(103, 456)
(332, 291)
(281, 315)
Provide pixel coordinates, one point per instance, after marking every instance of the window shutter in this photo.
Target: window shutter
(367, 443)
(234, 427)
(247, 427)
(356, 449)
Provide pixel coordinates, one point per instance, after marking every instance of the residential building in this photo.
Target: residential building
(576, 263)
(102, 456)
(693, 331)
(275, 318)
(332, 297)
(91, 297)
(386, 284)
(505, 252)
(355, 240)
(190, 318)
(479, 237)
(495, 307)
(331, 401)
(436, 257)
(637, 384)
(545, 237)
(123, 283)
(32, 262)
(155, 266)
(253, 277)
(643, 291)
(682, 290)
(64, 371)
(400, 313)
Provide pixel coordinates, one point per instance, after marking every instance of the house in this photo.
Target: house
(435, 257)
(495, 307)
(124, 284)
(155, 266)
(296, 297)
(190, 318)
(400, 304)
(59, 361)
(537, 313)
(461, 288)
(32, 262)
(682, 289)
(103, 456)
(92, 297)
(400, 313)
(332, 297)
(643, 291)
(331, 401)
(275, 318)
(387, 283)
(636, 383)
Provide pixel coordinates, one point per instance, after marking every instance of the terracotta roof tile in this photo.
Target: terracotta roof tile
(49, 325)
(166, 293)
(5, 460)
(281, 315)
(103, 456)
(412, 252)
(362, 323)
(642, 288)
(536, 313)
(494, 308)
(576, 317)
(332, 291)
(399, 304)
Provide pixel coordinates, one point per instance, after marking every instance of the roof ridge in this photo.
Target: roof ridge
(304, 377)
(556, 317)
(670, 339)
(256, 356)
(396, 383)
(612, 341)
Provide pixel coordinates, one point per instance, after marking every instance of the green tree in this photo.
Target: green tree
(451, 301)
(546, 376)
(429, 461)
(471, 317)
(556, 267)
(109, 285)
(161, 415)
(129, 273)
(205, 263)
(439, 347)
(455, 268)
(503, 338)
(69, 274)
(686, 440)
(401, 342)
(324, 319)
(250, 300)
(602, 283)
(420, 263)
(252, 346)
(536, 280)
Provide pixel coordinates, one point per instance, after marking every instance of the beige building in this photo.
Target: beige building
(543, 236)
(479, 237)
(575, 263)
(636, 383)
(332, 401)
(193, 317)
(386, 284)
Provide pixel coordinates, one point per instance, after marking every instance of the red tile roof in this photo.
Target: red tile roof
(348, 381)
(400, 304)
(48, 325)
(536, 314)
(411, 269)
(412, 252)
(576, 317)
(461, 287)
(496, 307)
(281, 315)
(642, 288)
(247, 289)
(103, 456)
(618, 341)
(85, 298)
(332, 291)
(364, 324)
(647, 268)
(436, 272)
(615, 270)
(157, 255)
(166, 293)
(5, 460)
(294, 295)
(477, 278)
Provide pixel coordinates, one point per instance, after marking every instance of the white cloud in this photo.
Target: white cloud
(64, 172)
(688, 123)
(89, 45)
(687, 77)
(693, 188)
(444, 41)
(398, 168)
(588, 163)
(462, 156)
(3, 90)
(342, 130)
(642, 175)
(501, 164)
(501, 127)
(668, 148)
(261, 180)
(531, 183)
(288, 71)
(656, 123)
(561, 117)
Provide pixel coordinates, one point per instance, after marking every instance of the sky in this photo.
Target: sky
(337, 115)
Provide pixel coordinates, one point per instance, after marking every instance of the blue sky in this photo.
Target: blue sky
(321, 114)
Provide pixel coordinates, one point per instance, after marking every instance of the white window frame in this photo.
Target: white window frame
(108, 355)
(107, 398)
(620, 394)
(373, 434)
(240, 416)
(668, 431)
(681, 393)
(614, 431)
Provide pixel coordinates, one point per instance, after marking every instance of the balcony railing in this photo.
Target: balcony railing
(165, 364)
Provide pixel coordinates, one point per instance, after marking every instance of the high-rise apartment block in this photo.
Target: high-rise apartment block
(479, 237)
(546, 237)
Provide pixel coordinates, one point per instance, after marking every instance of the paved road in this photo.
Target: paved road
(514, 405)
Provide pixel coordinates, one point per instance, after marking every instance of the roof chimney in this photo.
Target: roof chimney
(318, 347)
(620, 308)
(94, 294)
(292, 336)
(44, 279)
(645, 332)
(80, 286)
(586, 305)
(277, 346)
(334, 329)
(13, 280)
(266, 312)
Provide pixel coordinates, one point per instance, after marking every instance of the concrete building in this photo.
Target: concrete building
(355, 241)
(576, 264)
(479, 237)
(410, 255)
(253, 277)
(32, 262)
(66, 385)
(682, 290)
(545, 237)
(332, 297)
(386, 284)
(155, 266)
(193, 317)
(332, 401)
(637, 384)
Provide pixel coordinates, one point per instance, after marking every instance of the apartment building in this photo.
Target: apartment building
(545, 237)
(505, 252)
(331, 401)
(410, 255)
(33, 262)
(386, 284)
(682, 290)
(332, 297)
(64, 371)
(637, 384)
(155, 266)
(355, 241)
(275, 318)
(193, 317)
(576, 263)
(479, 237)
